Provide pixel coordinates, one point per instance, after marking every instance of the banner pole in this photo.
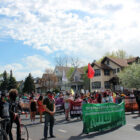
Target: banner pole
(89, 85)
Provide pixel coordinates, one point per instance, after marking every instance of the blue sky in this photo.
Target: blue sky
(34, 32)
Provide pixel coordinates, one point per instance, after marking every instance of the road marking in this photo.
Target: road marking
(131, 125)
(61, 130)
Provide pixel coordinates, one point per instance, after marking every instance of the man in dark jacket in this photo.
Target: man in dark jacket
(49, 105)
(4, 112)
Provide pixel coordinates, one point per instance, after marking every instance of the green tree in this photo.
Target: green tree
(1, 78)
(69, 73)
(4, 83)
(130, 76)
(116, 54)
(29, 85)
(12, 81)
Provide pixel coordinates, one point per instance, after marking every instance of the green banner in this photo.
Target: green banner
(100, 117)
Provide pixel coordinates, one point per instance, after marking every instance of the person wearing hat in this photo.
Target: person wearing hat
(49, 106)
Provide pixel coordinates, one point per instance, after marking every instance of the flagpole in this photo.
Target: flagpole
(89, 85)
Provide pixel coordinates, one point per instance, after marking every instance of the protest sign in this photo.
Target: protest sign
(99, 117)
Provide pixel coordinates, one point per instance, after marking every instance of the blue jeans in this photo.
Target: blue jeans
(48, 119)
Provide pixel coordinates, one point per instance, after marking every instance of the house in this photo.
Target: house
(47, 82)
(76, 80)
(61, 73)
(106, 73)
(37, 85)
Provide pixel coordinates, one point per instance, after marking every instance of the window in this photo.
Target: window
(59, 79)
(118, 69)
(96, 85)
(76, 78)
(114, 71)
(107, 62)
(106, 72)
(107, 84)
(97, 72)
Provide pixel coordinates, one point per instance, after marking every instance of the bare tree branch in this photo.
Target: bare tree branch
(59, 61)
(75, 62)
(49, 71)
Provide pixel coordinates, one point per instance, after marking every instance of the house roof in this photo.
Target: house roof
(131, 60)
(79, 70)
(100, 65)
(45, 75)
(118, 61)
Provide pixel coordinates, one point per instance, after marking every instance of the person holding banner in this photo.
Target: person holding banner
(110, 97)
(107, 98)
(85, 100)
(99, 98)
(92, 99)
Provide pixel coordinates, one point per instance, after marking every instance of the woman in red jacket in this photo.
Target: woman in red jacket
(40, 107)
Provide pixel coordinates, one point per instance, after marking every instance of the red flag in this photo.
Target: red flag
(91, 71)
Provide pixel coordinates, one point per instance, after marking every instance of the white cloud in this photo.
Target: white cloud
(14, 67)
(35, 65)
(89, 27)
(36, 62)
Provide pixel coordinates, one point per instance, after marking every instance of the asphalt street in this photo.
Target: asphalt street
(71, 130)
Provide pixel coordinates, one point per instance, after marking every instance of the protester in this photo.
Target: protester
(110, 97)
(138, 101)
(49, 106)
(40, 106)
(92, 99)
(118, 98)
(33, 110)
(13, 110)
(4, 112)
(114, 97)
(132, 96)
(85, 100)
(59, 102)
(99, 97)
(105, 98)
(82, 96)
(67, 105)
